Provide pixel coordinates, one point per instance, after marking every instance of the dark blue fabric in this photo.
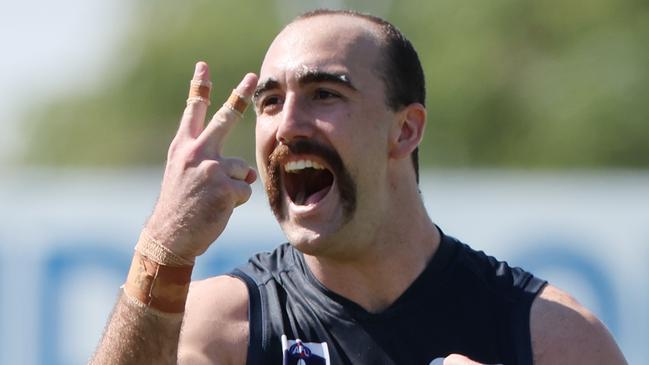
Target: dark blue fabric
(464, 302)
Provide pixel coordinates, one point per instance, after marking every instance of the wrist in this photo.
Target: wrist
(174, 236)
(157, 252)
(160, 287)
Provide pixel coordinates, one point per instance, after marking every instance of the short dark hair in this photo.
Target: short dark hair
(400, 70)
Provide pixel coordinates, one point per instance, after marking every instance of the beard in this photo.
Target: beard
(342, 178)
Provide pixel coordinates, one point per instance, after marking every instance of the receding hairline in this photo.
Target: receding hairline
(375, 23)
(374, 28)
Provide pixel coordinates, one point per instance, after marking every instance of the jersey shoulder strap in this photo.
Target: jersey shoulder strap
(264, 275)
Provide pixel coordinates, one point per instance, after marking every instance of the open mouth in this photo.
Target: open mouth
(306, 181)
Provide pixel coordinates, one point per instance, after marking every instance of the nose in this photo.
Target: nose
(294, 121)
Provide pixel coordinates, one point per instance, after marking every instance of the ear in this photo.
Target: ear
(408, 131)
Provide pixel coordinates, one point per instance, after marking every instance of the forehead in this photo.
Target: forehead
(331, 43)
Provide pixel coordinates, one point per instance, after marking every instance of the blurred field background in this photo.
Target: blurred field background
(530, 85)
(520, 94)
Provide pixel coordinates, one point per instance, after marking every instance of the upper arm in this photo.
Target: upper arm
(565, 332)
(215, 326)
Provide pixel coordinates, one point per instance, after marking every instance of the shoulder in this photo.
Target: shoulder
(565, 332)
(215, 326)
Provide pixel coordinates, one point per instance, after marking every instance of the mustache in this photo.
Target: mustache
(305, 147)
(282, 151)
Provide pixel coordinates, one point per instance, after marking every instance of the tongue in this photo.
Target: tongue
(317, 196)
(302, 199)
(308, 186)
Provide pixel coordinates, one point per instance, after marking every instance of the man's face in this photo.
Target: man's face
(322, 130)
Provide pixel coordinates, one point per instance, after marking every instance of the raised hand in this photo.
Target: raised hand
(200, 187)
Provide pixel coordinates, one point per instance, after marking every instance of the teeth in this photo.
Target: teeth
(301, 165)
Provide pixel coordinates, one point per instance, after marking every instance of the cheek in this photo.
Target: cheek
(264, 144)
(369, 151)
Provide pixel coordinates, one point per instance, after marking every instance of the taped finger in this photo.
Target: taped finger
(224, 119)
(199, 91)
(193, 119)
(236, 103)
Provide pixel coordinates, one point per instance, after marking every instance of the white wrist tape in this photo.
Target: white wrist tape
(149, 247)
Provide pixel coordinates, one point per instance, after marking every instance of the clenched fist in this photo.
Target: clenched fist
(201, 187)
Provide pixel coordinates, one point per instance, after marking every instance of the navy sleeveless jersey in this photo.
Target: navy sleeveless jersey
(463, 302)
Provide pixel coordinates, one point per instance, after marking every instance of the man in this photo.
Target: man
(367, 277)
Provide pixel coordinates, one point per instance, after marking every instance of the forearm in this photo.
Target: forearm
(145, 324)
(137, 334)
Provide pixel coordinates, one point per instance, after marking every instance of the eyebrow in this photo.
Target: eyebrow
(315, 76)
(269, 84)
(305, 78)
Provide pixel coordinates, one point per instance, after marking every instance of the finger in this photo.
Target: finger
(238, 169)
(214, 134)
(251, 177)
(242, 192)
(193, 119)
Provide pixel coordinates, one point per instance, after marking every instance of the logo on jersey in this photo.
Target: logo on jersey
(296, 352)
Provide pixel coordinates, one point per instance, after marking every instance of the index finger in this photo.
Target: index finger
(214, 134)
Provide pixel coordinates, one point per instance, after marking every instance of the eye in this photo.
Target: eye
(323, 94)
(269, 103)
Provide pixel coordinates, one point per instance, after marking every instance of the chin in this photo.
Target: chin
(310, 240)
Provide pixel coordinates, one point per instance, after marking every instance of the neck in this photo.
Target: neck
(397, 255)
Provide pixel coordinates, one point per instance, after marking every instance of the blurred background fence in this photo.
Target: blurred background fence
(536, 150)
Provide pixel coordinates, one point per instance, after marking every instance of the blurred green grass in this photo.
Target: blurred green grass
(510, 84)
